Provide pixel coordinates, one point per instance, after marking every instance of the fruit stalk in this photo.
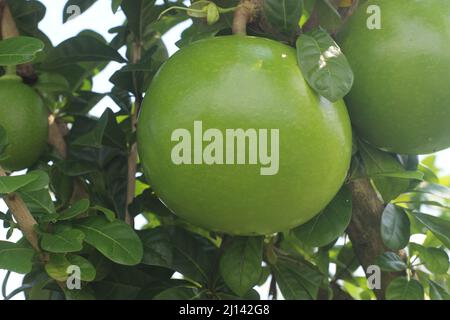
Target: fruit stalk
(246, 12)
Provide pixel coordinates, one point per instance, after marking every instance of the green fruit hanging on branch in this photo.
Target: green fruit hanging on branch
(399, 52)
(24, 120)
(232, 138)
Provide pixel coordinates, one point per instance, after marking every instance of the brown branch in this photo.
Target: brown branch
(23, 217)
(133, 155)
(364, 229)
(56, 132)
(245, 13)
(8, 26)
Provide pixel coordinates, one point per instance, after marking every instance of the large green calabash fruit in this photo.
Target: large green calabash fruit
(250, 83)
(400, 100)
(24, 119)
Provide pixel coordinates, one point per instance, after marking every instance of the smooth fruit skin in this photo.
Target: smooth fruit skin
(244, 82)
(24, 118)
(400, 100)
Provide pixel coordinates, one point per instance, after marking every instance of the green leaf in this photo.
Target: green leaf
(323, 65)
(82, 5)
(395, 227)
(403, 289)
(330, 223)
(297, 280)
(80, 49)
(177, 293)
(139, 13)
(438, 226)
(58, 266)
(179, 250)
(412, 175)
(81, 294)
(116, 240)
(346, 262)
(283, 15)
(436, 190)
(94, 137)
(50, 82)
(308, 7)
(33, 181)
(19, 50)
(40, 181)
(15, 258)
(436, 260)
(241, 264)
(437, 292)
(79, 207)
(158, 250)
(385, 170)
(109, 214)
(38, 201)
(391, 262)
(87, 270)
(329, 17)
(115, 4)
(62, 240)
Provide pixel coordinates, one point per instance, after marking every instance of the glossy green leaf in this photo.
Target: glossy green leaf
(437, 292)
(391, 262)
(440, 227)
(116, 240)
(395, 227)
(177, 293)
(38, 201)
(80, 49)
(19, 50)
(15, 257)
(158, 250)
(74, 8)
(308, 7)
(32, 181)
(330, 223)
(323, 65)
(115, 5)
(109, 214)
(386, 171)
(283, 15)
(403, 289)
(329, 17)
(87, 269)
(179, 250)
(58, 267)
(297, 280)
(240, 264)
(437, 261)
(62, 240)
(79, 207)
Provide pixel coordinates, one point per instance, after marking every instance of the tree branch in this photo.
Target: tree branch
(133, 156)
(245, 13)
(364, 229)
(23, 216)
